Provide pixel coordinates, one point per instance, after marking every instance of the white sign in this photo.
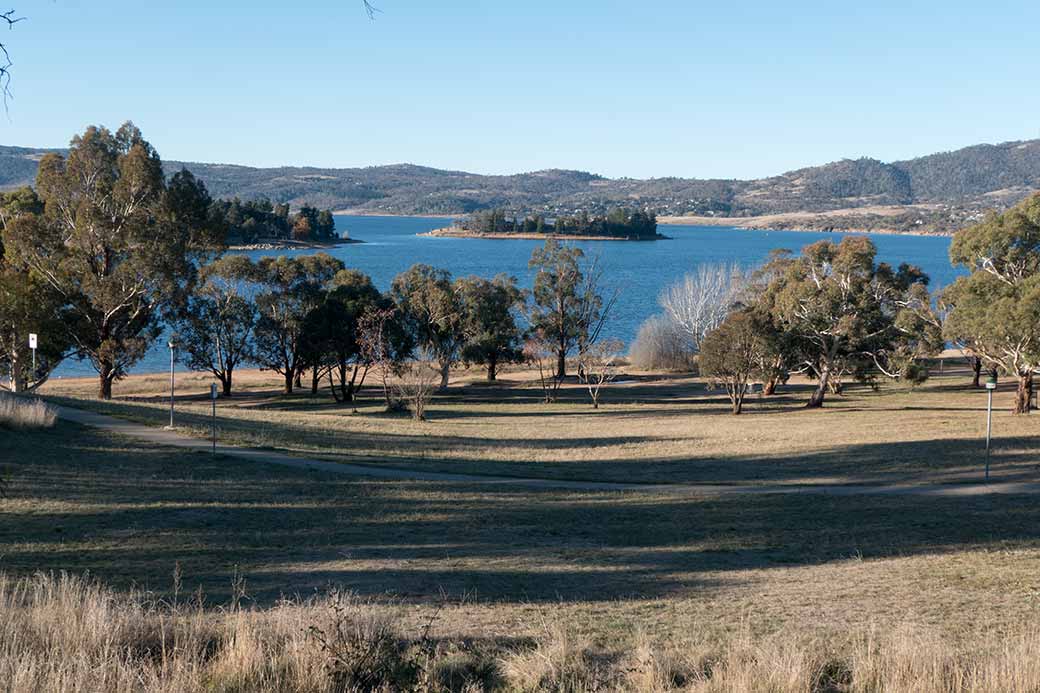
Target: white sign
(991, 386)
(32, 340)
(212, 390)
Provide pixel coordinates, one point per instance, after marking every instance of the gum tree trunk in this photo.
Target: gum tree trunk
(976, 371)
(769, 386)
(492, 369)
(106, 374)
(17, 382)
(289, 377)
(818, 395)
(561, 364)
(1024, 393)
(445, 373)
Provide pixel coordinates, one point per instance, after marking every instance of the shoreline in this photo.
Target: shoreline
(451, 232)
(792, 221)
(811, 222)
(362, 213)
(293, 245)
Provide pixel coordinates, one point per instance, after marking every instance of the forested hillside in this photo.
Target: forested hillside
(966, 181)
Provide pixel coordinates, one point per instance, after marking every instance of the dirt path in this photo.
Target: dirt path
(174, 439)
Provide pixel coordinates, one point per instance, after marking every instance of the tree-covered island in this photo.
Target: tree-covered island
(619, 224)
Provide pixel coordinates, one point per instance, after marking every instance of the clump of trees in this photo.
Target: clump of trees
(830, 313)
(618, 223)
(994, 312)
(257, 220)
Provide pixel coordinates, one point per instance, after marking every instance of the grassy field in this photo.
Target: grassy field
(652, 428)
(513, 565)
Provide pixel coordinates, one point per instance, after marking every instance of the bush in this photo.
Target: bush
(662, 345)
(22, 413)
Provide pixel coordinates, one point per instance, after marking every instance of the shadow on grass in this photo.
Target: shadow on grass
(83, 500)
(509, 453)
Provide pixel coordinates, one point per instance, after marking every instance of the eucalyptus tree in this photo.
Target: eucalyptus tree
(428, 303)
(489, 321)
(844, 313)
(289, 289)
(559, 307)
(118, 243)
(995, 310)
(215, 327)
(334, 331)
(27, 306)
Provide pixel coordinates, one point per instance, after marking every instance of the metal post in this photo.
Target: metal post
(989, 429)
(173, 348)
(32, 345)
(213, 420)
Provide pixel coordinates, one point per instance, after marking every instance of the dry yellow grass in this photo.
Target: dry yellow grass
(17, 412)
(61, 633)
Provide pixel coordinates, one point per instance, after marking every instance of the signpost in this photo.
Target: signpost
(991, 385)
(213, 424)
(32, 345)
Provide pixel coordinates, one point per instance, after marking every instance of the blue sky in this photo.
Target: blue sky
(704, 89)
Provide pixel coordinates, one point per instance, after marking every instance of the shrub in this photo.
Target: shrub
(662, 345)
(22, 413)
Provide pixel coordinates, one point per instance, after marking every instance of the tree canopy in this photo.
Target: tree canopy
(116, 241)
(846, 314)
(995, 310)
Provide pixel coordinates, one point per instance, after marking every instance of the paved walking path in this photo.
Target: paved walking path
(151, 434)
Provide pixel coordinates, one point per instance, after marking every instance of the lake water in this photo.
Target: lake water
(641, 269)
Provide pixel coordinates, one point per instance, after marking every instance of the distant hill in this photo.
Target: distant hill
(965, 181)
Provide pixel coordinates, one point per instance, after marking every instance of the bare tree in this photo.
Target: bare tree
(700, 301)
(600, 364)
(373, 334)
(595, 302)
(416, 383)
(542, 353)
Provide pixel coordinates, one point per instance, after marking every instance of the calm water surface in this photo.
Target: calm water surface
(641, 269)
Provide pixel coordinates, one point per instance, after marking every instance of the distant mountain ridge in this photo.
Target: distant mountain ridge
(975, 177)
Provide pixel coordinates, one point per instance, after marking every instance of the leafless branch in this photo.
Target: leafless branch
(370, 9)
(5, 69)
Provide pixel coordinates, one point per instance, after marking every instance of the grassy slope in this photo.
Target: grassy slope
(504, 559)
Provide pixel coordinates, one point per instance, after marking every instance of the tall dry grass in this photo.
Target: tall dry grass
(21, 413)
(64, 633)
